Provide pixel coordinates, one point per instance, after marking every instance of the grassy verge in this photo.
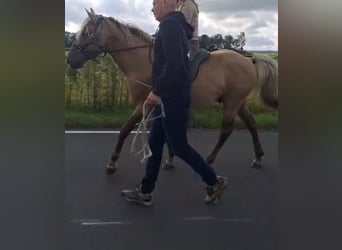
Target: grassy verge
(96, 119)
(212, 118)
(113, 119)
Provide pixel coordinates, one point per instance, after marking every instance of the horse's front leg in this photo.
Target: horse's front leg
(169, 161)
(124, 132)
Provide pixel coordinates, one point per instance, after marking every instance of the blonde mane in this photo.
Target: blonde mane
(130, 29)
(83, 25)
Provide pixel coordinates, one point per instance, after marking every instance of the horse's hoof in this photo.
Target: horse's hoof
(111, 169)
(210, 160)
(168, 166)
(256, 164)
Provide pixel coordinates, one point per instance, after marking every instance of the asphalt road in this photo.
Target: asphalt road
(99, 219)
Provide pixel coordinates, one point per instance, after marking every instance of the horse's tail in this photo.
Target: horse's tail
(267, 70)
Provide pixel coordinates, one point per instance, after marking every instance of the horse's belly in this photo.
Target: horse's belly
(204, 93)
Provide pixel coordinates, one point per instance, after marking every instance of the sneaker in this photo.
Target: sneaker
(137, 196)
(214, 192)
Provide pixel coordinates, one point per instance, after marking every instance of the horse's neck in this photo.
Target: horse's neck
(135, 65)
(132, 62)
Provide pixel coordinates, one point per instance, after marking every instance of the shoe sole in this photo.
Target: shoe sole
(146, 204)
(213, 202)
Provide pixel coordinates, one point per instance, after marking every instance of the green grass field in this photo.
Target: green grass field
(209, 118)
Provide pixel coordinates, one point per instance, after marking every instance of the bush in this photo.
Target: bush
(95, 86)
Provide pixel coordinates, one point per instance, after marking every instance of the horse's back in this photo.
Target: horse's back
(231, 62)
(224, 72)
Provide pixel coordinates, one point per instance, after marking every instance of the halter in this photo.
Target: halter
(94, 36)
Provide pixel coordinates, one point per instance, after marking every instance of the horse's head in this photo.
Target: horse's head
(89, 42)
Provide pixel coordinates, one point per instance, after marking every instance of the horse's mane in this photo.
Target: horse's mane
(127, 29)
(82, 28)
(130, 29)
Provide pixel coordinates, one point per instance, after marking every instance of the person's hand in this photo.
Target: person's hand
(152, 99)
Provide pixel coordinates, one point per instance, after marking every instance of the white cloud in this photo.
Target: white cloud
(257, 18)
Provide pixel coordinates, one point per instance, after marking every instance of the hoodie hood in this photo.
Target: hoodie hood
(170, 62)
(179, 17)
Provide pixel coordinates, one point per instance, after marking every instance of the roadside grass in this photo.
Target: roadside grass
(96, 119)
(210, 118)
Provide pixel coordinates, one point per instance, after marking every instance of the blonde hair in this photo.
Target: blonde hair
(193, 1)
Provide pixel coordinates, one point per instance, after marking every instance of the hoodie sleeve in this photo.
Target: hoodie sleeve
(173, 43)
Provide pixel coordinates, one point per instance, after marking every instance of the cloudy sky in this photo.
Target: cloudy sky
(257, 18)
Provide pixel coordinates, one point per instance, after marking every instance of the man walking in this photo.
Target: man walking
(171, 87)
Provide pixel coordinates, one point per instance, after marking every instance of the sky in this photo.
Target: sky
(257, 18)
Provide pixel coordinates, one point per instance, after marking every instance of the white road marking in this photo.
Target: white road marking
(96, 132)
(99, 222)
(199, 218)
(104, 223)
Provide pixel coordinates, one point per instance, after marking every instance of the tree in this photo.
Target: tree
(69, 38)
(204, 41)
(241, 40)
(218, 42)
(228, 42)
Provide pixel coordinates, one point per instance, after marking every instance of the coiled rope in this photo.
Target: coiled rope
(141, 133)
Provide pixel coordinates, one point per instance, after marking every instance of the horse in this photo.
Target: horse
(226, 77)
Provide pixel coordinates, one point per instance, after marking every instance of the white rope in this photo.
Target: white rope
(141, 133)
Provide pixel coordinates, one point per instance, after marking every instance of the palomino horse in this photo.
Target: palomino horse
(226, 77)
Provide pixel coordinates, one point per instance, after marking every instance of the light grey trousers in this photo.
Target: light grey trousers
(193, 48)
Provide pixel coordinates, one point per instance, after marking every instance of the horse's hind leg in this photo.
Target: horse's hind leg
(124, 132)
(249, 120)
(226, 128)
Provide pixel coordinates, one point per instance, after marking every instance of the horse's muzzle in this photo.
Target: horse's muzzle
(74, 65)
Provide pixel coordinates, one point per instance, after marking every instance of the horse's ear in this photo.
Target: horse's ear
(88, 12)
(91, 14)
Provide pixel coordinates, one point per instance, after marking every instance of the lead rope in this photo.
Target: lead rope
(102, 66)
(141, 133)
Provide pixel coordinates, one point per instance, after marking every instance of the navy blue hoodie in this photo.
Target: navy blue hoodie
(171, 64)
